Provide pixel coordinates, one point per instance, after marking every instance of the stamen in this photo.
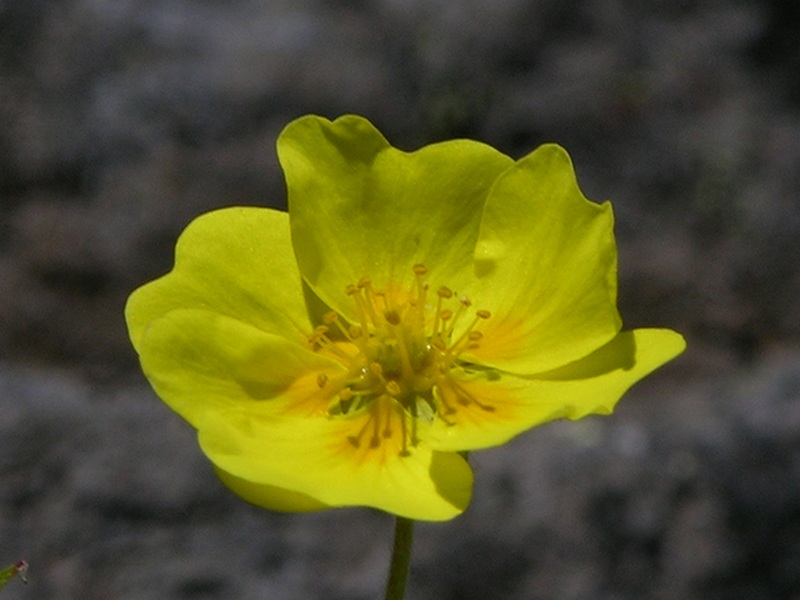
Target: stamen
(397, 355)
(414, 422)
(320, 339)
(404, 449)
(405, 359)
(379, 295)
(361, 311)
(392, 317)
(464, 304)
(332, 318)
(365, 285)
(345, 400)
(464, 398)
(474, 337)
(393, 388)
(440, 399)
(420, 271)
(442, 293)
(355, 440)
(464, 339)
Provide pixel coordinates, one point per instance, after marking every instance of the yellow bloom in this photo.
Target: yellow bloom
(409, 307)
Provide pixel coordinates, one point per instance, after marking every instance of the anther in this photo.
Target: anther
(392, 316)
(483, 314)
(330, 317)
(393, 388)
(322, 379)
(420, 269)
(376, 369)
(444, 292)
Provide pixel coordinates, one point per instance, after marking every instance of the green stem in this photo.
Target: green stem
(401, 558)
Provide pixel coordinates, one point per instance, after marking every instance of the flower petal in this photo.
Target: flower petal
(491, 410)
(236, 262)
(361, 208)
(269, 496)
(313, 457)
(200, 361)
(546, 259)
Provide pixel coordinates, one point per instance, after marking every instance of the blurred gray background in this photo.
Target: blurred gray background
(121, 120)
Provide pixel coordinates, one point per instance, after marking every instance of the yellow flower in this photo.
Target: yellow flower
(410, 306)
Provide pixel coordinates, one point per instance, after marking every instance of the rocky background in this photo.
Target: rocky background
(120, 120)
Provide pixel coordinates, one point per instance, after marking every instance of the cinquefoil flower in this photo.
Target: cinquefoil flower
(410, 306)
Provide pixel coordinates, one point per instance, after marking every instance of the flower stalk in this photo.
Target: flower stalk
(401, 559)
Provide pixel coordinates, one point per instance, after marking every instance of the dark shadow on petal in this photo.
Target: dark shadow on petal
(619, 353)
(250, 375)
(484, 267)
(316, 307)
(452, 476)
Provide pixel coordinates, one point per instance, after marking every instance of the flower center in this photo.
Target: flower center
(397, 353)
